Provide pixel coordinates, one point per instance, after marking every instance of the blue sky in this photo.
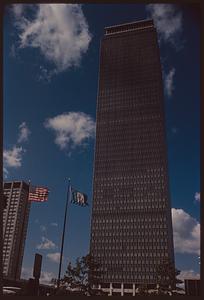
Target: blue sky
(51, 60)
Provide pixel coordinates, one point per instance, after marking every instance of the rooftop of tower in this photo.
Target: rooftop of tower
(137, 25)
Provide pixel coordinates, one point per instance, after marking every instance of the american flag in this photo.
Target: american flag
(39, 194)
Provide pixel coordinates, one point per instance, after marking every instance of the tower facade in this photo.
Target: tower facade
(15, 222)
(131, 229)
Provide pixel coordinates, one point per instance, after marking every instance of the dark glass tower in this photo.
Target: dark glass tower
(131, 230)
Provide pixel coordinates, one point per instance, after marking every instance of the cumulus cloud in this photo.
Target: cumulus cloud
(26, 273)
(186, 231)
(24, 132)
(13, 51)
(188, 274)
(5, 173)
(46, 244)
(45, 277)
(13, 157)
(43, 228)
(59, 31)
(54, 224)
(168, 21)
(54, 257)
(197, 197)
(71, 129)
(18, 9)
(169, 82)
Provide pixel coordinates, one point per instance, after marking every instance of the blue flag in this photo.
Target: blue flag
(78, 198)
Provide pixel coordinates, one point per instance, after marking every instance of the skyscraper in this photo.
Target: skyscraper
(15, 222)
(131, 230)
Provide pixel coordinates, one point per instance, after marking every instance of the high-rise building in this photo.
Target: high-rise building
(131, 229)
(15, 222)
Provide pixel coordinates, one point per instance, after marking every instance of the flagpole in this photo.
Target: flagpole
(63, 233)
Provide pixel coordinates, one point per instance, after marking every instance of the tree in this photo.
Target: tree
(166, 274)
(82, 276)
(142, 290)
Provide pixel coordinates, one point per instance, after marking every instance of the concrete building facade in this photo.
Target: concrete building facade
(15, 222)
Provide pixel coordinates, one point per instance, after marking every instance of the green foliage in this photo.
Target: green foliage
(142, 290)
(166, 274)
(54, 281)
(83, 275)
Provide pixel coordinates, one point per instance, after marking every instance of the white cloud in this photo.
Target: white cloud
(24, 132)
(59, 31)
(45, 277)
(26, 273)
(186, 231)
(71, 129)
(18, 9)
(5, 172)
(46, 244)
(54, 257)
(169, 82)
(13, 51)
(197, 197)
(187, 274)
(13, 157)
(168, 21)
(43, 228)
(45, 74)
(54, 224)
